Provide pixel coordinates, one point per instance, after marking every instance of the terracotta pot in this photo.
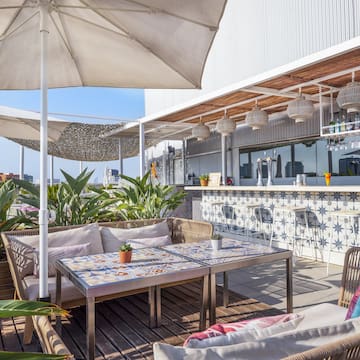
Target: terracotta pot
(125, 256)
(203, 182)
(6, 284)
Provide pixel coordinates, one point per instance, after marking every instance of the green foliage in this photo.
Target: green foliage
(216, 236)
(10, 308)
(8, 355)
(8, 194)
(125, 247)
(204, 177)
(68, 203)
(142, 199)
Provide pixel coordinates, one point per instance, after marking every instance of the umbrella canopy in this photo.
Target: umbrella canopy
(25, 125)
(119, 43)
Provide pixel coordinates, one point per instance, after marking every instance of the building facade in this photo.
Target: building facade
(256, 36)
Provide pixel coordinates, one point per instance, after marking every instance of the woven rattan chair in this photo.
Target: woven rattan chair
(347, 348)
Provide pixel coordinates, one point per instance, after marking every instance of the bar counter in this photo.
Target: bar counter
(333, 212)
(287, 188)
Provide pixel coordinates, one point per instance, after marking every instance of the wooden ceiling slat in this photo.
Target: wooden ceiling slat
(325, 68)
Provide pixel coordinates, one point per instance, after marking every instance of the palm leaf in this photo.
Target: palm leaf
(11, 308)
(7, 355)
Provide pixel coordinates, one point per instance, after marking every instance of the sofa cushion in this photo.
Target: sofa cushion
(150, 242)
(68, 289)
(242, 331)
(321, 315)
(24, 257)
(354, 307)
(271, 348)
(113, 238)
(56, 253)
(85, 234)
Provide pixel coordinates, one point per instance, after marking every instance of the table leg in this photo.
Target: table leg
(90, 323)
(226, 289)
(58, 300)
(289, 285)
(158, 305)
(152, 304)
(204, 302)
(212, 310)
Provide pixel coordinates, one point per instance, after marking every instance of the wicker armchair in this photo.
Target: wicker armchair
(349, 347)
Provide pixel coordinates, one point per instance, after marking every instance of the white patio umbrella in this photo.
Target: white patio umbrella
(120, 43)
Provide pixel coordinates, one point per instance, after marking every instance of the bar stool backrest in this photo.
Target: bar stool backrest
(263, 215)
(228, 212)
(313, 221)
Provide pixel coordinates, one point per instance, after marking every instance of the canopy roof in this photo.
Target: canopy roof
(83, 142)
(329, 69)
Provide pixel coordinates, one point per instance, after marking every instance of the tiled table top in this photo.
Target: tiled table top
(105, 268)
(232, 250)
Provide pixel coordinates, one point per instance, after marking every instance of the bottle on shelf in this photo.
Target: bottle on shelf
(357, 121)
(350, 122)
(343, 122)
(338, 123)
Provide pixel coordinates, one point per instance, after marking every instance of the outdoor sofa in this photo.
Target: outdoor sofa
(318, 333)
(88, 239)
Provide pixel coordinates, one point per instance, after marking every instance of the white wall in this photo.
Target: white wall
(257, 35)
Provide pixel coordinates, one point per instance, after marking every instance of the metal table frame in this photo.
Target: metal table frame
(93, 294)
(247, 262)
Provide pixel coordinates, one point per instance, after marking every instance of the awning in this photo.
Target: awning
(329, 69)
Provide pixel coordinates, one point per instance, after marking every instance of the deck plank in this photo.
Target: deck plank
(122, 330)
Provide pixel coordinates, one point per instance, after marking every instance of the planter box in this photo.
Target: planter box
(6, 284)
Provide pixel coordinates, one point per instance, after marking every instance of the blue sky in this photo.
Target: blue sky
(127, 104)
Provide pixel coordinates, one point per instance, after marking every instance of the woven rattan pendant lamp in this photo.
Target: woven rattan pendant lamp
(256, 118)
(201, 131)
(300, 109)
(349, 96)
(225, 126)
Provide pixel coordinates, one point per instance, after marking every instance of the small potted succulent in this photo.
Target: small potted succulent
(216, 241)
(204, 179)
(125, 253)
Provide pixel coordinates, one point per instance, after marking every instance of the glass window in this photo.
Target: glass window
(305, 158)
(345, 156)
(245, 166)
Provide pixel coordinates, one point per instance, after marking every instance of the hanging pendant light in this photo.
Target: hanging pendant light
(201, 131)
(349, 96)
(256, 118)
(226, 125)
(300, 109)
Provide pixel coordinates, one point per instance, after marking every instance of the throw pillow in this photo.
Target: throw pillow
(85, 234)
(24, 257)
(242, 331)
(113, 238)
(56, 253)
(150, 242)
(354, 307)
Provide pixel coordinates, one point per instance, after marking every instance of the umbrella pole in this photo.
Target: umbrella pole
(223, 159)
(142, 149)
(43, 213)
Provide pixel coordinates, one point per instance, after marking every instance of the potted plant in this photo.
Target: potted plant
(125, 253)
(204, 179)
(216, 241)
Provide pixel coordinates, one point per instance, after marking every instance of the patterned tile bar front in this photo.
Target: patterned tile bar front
(332, 215)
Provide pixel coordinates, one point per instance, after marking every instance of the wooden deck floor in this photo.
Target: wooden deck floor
(122, 330)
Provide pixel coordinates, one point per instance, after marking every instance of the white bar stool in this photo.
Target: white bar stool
(265, 216)
(294, 212)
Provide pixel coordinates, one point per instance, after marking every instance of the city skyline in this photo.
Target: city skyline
(127, 104)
